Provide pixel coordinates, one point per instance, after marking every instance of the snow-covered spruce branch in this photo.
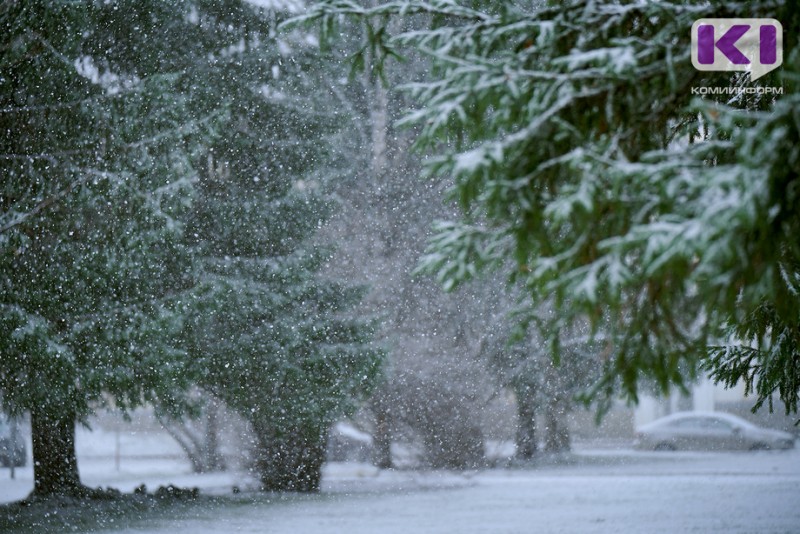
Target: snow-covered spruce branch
(80, 102)
(51, 157)
(326, 9)
(458, 251)
(181, 130)
(42, 205)
(53, 50)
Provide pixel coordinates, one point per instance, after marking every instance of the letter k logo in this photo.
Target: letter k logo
(726, 44)
(745, 45)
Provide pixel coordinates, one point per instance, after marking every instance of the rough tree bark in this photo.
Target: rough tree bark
(292, 462)
(378, 99)
(55, 465)
(382, 452)
(211, 451)
(557, 438)
(526, 421)
(379, 123)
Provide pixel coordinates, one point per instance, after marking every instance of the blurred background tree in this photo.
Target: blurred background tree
(582, 161)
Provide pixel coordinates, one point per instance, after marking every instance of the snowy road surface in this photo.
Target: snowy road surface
(606, 491)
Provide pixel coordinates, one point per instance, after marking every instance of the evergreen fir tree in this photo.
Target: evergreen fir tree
(266, 332)
(581, 157)
(107, 111)
(95, 149)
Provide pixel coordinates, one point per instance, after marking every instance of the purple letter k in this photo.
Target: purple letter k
(726, 44)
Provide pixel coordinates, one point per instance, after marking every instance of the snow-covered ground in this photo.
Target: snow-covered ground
(601, 490)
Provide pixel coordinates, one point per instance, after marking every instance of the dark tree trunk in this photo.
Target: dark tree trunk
(212, 454)
(382, 453)
(526, 421)
(291, 462)
(457, 447)
(199, 441)
(557, 439)
(55, 466)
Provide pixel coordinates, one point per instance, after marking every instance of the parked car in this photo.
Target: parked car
(12, 446)
(708, 431)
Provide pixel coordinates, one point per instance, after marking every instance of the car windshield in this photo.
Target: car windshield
(717, 424)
